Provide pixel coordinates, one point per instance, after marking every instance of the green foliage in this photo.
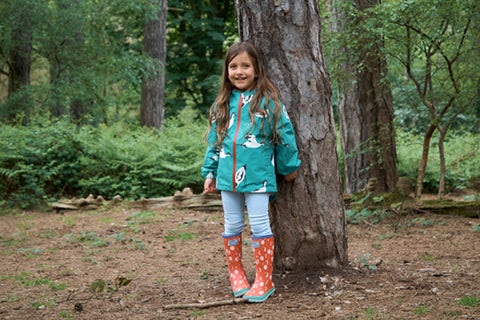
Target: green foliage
(365, 264)
(430, 46)
(461, 156)
(86, 57)
(199, 32)
(136, 244)
(361, 212)
(439, 31)
(46, 159)
(472, 197)
(100, 284)
(355, 217)
(144, 163)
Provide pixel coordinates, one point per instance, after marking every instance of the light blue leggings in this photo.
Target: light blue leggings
(234, 212)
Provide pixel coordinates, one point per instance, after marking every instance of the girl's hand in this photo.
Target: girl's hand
(290, 176)
(210, 185)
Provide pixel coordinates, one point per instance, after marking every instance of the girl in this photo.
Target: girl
(250, 138)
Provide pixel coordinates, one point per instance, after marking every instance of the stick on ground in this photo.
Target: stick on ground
(206, 304)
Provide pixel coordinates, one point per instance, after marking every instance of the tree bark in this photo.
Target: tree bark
(308, 217)
(153, 85)
(20, 56)
(19, 65)
(441, 152)
(423, 163)
(366, 117)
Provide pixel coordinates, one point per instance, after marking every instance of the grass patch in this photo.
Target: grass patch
(69, 220)
(174, 235)
(48, 234)
(161, 280)
(14, 298)
(469, 301)
(6, 252)
(136, 244)
(65, 315)
(19, 278)
(423, 309)
(17, 239)
(24, 226)
(44, 302)
(197, 313)
(428, 257)
(23, 279)
(139, 218)
(107, 220)
(89, 238)
(30, 253)
(54, 285)
(372, 314)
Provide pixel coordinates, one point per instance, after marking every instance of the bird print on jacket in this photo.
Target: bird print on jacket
(232, 120)
(224, 154)
(262, 189)
(247, 160)
(251, 142)
(246, 99)
(240, 175)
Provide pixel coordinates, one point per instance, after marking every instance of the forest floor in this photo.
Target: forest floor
(53, 266)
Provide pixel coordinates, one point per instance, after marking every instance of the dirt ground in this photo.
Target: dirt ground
(53, 266)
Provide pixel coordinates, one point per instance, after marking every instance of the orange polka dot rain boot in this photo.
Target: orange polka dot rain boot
(233, 251)
(263, 286)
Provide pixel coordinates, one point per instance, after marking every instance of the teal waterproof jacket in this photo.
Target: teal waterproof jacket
(247, 160)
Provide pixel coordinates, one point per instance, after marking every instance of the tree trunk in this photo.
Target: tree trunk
(366, 117)
(153, 84)
(20, 63)
(308, 217)
(20, 56)
(441, 151)
(423, 163)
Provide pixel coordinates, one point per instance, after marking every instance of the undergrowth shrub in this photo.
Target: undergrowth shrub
(37, 162)
(46, 160)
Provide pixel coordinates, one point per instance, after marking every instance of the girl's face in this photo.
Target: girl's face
(241, 71)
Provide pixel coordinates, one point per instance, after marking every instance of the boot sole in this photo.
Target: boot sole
(261, 298)
(240, 293)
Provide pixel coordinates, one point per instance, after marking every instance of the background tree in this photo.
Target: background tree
(365, 106)
(435, 42)
(86, 59)
(17, 51)
(153, 83)
(308, 216)
(20, 53)
(199, 33)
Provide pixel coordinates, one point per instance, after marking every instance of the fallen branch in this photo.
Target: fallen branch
(204, 305)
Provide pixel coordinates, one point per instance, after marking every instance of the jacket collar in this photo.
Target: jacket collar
(248, 91)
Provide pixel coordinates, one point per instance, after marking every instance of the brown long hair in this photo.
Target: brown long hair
(219, 111)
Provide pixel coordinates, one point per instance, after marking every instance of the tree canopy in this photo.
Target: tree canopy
(88, 54)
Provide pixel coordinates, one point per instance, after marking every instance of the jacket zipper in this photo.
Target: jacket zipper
(239, 116)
